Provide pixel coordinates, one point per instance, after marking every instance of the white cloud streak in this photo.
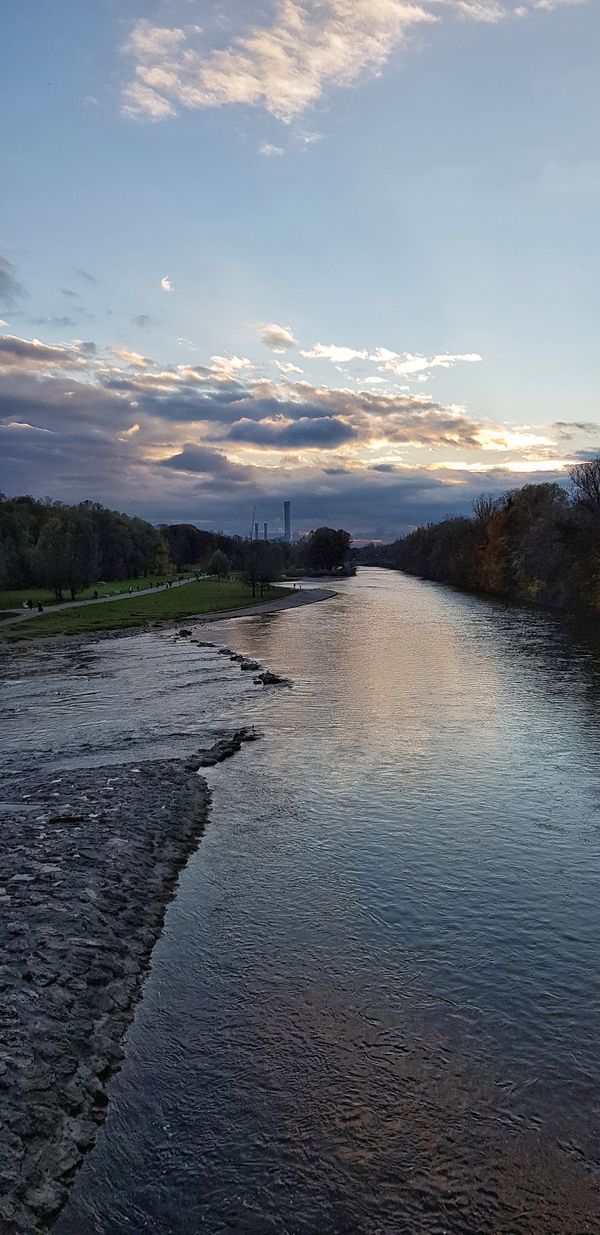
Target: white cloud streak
(285, 67)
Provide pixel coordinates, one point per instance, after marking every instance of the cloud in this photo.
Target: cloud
(287, 368)
(279, 338)
(11, 291)
(85, 275)
(66, 291)
(269, 151)
(402, 364)
(323, 432)
(135, 359)
(143, 321)
(65, 322)
(206, 462)
(568, 429)
(230, 365)
(405, 364)
(188, 441)
(337, 355)
(480, 10)
(11, 425)
(30, 355)
(166, 284)
(284, 67)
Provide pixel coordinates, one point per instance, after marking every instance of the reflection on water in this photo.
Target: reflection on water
(375, 1008)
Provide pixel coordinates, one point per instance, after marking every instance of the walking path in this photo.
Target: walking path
(21, 615)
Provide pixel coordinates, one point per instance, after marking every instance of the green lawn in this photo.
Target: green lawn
(16, 597)
(173, 604)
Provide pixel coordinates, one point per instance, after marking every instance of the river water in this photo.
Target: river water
(375, 1006)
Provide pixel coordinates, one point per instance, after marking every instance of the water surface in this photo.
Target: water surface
(375, 1007)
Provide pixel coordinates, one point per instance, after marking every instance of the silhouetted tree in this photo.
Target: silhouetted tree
(219, 564)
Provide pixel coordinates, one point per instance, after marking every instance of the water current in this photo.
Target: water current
(375, 1005)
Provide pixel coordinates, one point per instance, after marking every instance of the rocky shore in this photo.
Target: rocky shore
(90, 861)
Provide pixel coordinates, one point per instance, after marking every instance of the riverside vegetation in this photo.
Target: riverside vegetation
(50, 551)
(538, 543)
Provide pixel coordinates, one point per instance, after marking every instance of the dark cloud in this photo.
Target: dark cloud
(304, 433)
(73, 426)
(210, 463)
(143, 321)
(568, 429)
(27, 354)
(84, 274)
(11, 291)
(66, 291)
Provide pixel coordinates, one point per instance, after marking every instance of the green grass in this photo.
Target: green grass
(15, 597)
(172, 605)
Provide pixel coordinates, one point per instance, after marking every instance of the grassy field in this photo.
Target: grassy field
(15, 598)
(172, 605)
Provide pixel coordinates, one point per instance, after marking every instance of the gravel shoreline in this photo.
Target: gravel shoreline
(90, 861)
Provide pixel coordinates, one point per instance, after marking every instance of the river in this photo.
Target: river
(375, 1005)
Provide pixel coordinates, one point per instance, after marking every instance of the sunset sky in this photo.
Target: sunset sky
(340, 251)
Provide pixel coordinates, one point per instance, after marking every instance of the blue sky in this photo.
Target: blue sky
(343, 251)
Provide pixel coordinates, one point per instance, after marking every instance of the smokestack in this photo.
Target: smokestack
(256, 531)
(265, 527)
(287, 522)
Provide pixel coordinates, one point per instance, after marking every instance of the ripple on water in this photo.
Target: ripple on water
(376, 1005)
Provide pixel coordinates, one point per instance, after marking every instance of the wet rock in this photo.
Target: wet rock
(249, 664)
(227, 746)
(68, 819)
(271, 679)
(183, 633)
(86, 906)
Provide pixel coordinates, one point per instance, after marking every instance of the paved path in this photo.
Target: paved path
(21, 615)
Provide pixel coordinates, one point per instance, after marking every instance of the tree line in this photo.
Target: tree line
(539, 543)
(68, 548)
(323, 551)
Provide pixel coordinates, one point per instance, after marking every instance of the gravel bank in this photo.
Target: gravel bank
(89, 862)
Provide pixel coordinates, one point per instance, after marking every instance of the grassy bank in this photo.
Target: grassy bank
(16, 598)
(205, 596)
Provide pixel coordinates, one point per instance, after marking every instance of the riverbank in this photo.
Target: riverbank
(280, 599)
(91, 859)
(189, 600)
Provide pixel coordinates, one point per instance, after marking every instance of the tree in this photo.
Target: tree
(585, 478)
(262, 564)
(484, 507)
(51, 555)
(325, 549)
(219, 564)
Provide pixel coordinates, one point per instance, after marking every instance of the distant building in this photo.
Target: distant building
(265, 531)
(287, 522)
(256, 531)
